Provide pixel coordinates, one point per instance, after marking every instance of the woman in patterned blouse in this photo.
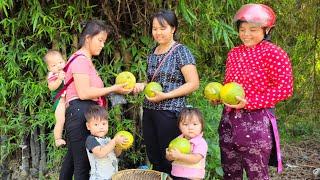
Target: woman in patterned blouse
(173, 66)
(248, 131)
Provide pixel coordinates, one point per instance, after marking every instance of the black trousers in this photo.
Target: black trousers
(159, 128)
(76, 161)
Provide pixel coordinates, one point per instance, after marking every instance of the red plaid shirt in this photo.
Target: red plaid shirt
(264, 71)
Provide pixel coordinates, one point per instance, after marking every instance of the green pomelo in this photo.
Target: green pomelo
(152, 86)
(129, 136)
(182, 144)
(212, 91)
(126, 77)
(229, 92)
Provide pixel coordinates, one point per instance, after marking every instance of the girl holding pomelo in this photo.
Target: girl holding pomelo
(190, 165)
(248, 132)
(172, 66)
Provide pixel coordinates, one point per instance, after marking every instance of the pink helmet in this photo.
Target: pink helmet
(256, 13)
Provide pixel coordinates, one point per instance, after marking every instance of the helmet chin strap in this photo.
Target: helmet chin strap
(267, 35)
(268, 30)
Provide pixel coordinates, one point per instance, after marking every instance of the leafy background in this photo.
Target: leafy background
(28, 28)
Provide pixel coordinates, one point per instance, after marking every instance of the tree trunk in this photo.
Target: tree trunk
(25, 156)
(316, 62)
(55, 44)
(43, 162)
(75, 42)
(35, 152)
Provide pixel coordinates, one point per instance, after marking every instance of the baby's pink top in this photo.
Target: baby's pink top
(181, 169)
(81, 65)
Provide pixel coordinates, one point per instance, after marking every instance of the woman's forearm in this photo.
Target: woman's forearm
(183, 90)
(191, 77)
(86, 91)
(93, 92)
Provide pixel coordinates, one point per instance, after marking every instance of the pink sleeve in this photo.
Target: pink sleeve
(200, 148)
(81, 65)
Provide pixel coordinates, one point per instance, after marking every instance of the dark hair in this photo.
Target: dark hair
(189, 112)
(166, 16)
(267, 36)
(92, 28)
(96, 112)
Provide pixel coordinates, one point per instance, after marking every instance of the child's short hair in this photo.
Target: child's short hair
(96, 112)
(189, 112)
(50, 53)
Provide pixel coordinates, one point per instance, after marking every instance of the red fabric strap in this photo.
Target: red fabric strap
(58, 95)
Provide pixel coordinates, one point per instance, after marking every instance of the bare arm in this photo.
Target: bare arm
(191, 84)
(101, 151)
(191, 77)
(186, 158)
(85, 91)
(53, 85)
(118, 151)
(190, 158)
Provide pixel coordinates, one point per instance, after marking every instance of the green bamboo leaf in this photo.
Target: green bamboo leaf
(226, 39)
(183, 8)
(35, 18)
(219, 171)
(145, 40)
(4, 5)
(213, 35)
(134, 51)
(70, 12)
(191, 15)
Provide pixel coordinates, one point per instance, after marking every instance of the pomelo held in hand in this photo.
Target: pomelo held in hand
(212, 91)
(229, 92)
(152, 86)
(126, 77)
(129, 137)
(180, 143)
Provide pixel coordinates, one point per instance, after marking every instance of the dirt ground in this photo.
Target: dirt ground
(299, 161)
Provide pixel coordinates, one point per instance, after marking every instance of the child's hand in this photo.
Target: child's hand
(61, 75)
(120, 139)
(173, 154)
(169, 155)
(60, 142)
